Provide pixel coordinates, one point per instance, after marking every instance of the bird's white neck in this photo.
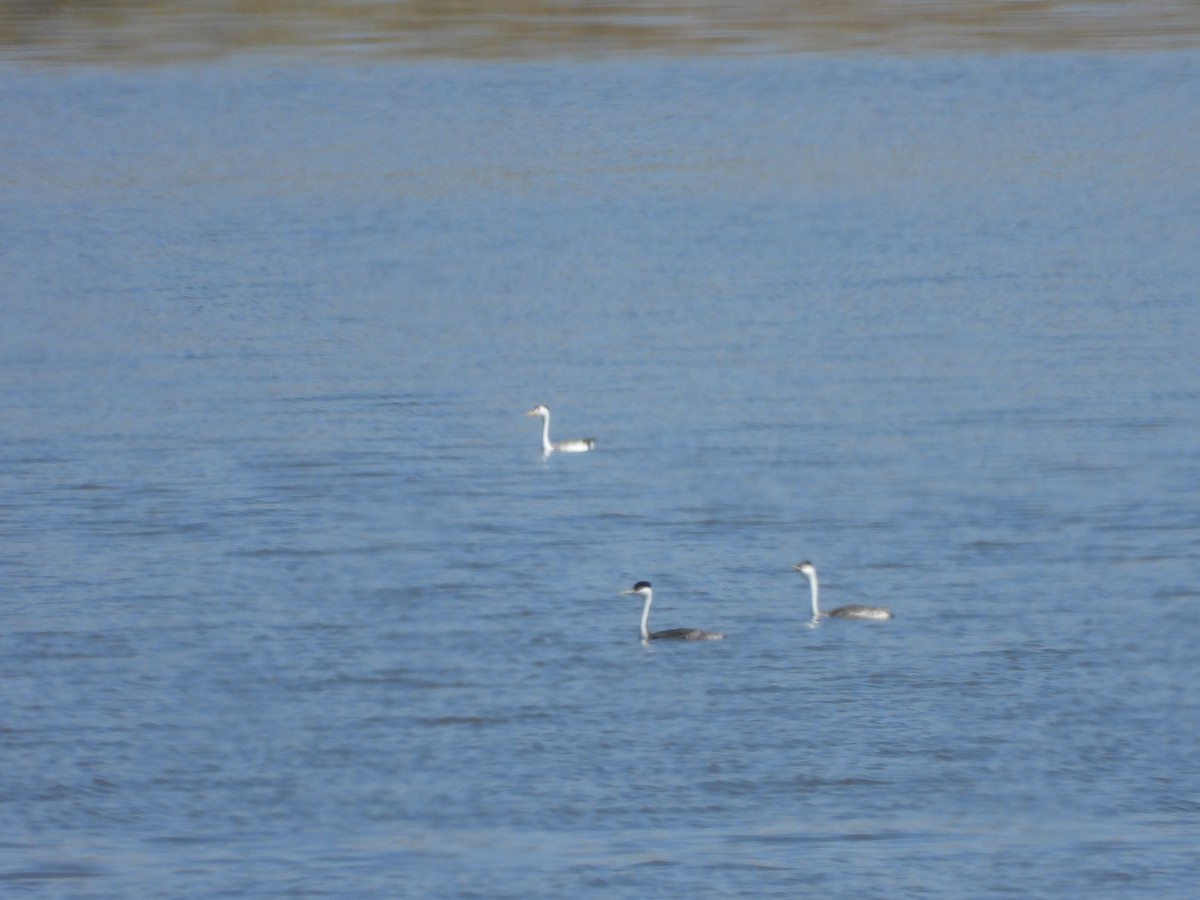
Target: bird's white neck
(547, 447)
(814, 590)
(646, 616)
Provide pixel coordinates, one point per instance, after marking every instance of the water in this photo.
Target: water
(293, 606)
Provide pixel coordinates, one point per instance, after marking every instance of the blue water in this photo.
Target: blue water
(293, 606)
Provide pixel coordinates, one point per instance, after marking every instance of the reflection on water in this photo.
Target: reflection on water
(141, 31)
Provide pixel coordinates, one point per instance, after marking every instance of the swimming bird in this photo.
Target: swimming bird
(642, 589)
(580, 445)
(854, 611)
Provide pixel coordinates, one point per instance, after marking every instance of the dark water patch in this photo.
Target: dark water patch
(90, 486)
(801, 838)
(285, 552)
(654, 864)
(1176, 593)
(468, 721)
(49, 646)
(53, 872)
(186, 840)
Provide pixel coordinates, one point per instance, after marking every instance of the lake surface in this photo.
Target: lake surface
(293, 606)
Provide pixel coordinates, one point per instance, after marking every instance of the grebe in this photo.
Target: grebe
(581, 445)
(854, 611)
(642, 589)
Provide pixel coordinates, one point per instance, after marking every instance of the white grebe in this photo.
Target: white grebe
(854, 611)
(642, 589)
(581, 445)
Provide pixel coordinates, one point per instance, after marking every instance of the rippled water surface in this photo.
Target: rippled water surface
(293, 606)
